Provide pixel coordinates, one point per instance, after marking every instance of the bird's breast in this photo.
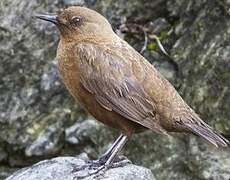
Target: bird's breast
(69, 70)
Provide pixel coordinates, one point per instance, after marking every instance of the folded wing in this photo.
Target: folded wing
(111, 80)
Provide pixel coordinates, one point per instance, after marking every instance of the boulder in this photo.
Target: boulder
(64, 168)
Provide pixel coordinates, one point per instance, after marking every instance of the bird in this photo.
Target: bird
(117, 85)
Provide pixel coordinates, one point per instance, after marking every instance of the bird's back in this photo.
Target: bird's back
(174, 113)
(165, 98)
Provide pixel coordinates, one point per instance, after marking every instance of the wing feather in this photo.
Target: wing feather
(111, 80)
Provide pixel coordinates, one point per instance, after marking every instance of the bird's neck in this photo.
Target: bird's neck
(90, 38)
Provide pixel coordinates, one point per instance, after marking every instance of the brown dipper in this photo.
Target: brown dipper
(117, 85)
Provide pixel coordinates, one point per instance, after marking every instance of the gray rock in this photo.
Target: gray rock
(80, 132)
(62, 168)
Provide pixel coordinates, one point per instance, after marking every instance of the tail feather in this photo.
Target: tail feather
(207, 133)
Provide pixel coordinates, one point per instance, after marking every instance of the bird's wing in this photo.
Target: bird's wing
(110, 78)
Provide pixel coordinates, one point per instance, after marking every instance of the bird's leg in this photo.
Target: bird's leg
(101, 160)
(91, 164)
(116, 150)
(106, 159)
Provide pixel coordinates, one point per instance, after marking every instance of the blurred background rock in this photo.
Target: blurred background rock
(39, 119)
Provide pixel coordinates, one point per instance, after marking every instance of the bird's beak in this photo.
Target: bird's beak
(46, 17)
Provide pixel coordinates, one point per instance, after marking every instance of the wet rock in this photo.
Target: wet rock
(63, 167)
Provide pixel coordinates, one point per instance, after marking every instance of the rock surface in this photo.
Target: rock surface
(62, 168)
(39, 119)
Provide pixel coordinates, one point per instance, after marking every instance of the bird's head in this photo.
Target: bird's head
(77, 22)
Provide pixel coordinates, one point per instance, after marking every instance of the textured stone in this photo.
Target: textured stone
(62, 168)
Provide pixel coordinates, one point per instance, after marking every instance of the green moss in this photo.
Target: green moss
(221, 127)
(226, 76)
(39, 124)
(151, 46)
(163, 35)
(198, 28)
(200, 25)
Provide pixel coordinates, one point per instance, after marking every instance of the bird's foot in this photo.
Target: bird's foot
(94, 172)
(90, 165)
(97, 168)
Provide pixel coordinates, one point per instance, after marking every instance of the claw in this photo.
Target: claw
(90, 165)
(93, 171)
(97, 168)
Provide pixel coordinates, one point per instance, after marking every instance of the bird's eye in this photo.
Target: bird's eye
(76, 20)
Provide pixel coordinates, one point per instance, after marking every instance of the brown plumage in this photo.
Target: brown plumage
(117, 85)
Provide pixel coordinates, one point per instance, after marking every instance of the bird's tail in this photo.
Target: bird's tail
(205, 131)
